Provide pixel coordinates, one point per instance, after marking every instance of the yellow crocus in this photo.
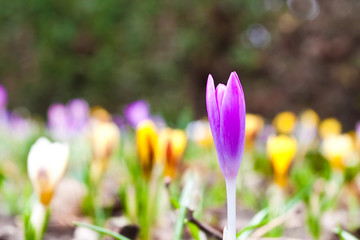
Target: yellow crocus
(254, 124)
(200, 132)
(100, 114)
(309, 118)
(281, 151)
(284, 122)
(147, 145)
(329, 127)
(172, 144)
(337, 149)
(104, 137)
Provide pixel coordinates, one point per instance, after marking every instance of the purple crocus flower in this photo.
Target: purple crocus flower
(20, 127)
(78, 110)
(358, 130)
(226, 112)
(58, 121)
(136, 112)
(3, 103)
(3, 97)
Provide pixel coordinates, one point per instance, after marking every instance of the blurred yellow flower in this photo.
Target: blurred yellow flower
(281, 151)
(104, 138)
(100, 114)
(337, 149)
(329, 127)
(147, 145)
(253, 126)
(284, 122)
(172, 144)
(46, 165)
(200, 132)
(309, 118)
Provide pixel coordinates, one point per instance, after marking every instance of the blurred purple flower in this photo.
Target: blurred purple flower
(3, 97)
(136, 112)
(226, 112)
(19, 126)
(358, 130)
(78, 110)
(58, 121)
(65, 122)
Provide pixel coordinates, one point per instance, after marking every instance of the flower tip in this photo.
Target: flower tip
(234, 76)
(210, 79)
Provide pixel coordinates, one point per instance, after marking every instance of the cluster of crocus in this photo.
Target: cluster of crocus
(226, 112)
(159, 151)
(165, 147)
(46, 165)
(68, 121)
(297, 135)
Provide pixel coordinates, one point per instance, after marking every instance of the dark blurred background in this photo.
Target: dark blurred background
(290, 55)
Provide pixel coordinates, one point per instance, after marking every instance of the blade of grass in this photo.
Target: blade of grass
(101, 230)
(184, 202)
(259, 218)
(344, 235)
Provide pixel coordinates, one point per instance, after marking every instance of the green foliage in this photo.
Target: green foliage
(184, 204)
(32, 232)
(112, 52)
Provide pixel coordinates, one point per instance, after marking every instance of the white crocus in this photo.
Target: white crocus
(46, 165)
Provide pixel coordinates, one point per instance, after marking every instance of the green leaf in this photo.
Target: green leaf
(194, 230)
(254, 223)
(175, 203)
(251, 227)
(344, 235)
(101, 230)
(184, 202)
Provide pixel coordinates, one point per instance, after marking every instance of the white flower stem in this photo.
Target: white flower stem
(231, 208)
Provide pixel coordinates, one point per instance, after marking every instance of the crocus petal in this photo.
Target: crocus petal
(3, 97)
(232, 127)
(37, 157)
(59, 152)
(220, 90)
(212, 108)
